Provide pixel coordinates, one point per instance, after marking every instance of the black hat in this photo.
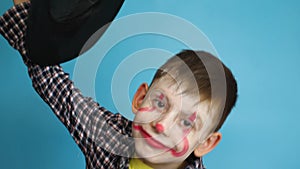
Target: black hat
(58, 29)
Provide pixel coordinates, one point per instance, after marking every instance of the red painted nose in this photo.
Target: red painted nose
(159, 128)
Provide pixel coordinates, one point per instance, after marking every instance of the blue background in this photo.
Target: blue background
(258, 40)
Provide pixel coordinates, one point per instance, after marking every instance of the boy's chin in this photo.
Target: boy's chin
(152, 159)
(156, 157)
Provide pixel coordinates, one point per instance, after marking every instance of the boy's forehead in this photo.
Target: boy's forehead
(176, 94)
(173, 86)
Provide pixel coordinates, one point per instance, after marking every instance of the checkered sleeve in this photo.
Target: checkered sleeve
(11, 22)
(93, 128)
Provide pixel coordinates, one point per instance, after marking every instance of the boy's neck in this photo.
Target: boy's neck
(166, 165)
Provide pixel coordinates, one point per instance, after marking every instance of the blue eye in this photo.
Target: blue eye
(186, 123)
(159, 104)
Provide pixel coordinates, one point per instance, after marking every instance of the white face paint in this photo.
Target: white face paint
(167, 126)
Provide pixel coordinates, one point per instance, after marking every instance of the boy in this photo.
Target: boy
(177, 116)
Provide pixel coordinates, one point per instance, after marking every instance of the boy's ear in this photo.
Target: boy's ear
(209, 144)
(139, 97)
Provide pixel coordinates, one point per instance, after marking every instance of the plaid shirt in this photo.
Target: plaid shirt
(104, 138)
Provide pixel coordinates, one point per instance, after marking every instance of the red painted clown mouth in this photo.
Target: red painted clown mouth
(158, 145)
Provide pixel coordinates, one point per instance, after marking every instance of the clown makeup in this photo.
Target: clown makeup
(167, 125)
(156, 105)
(158, 102)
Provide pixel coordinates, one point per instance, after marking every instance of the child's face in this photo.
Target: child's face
(167, 124)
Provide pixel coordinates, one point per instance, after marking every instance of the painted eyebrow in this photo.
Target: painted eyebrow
(161, 95)
(193, 117)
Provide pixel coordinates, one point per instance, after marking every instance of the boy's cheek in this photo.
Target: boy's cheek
(146, 114)
(146, 117)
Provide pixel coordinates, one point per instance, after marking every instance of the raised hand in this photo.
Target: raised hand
(16, 2)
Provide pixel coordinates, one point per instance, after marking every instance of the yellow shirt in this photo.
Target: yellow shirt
(136, 163)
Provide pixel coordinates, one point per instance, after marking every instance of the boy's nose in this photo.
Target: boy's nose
(163, 125)
(159, 128)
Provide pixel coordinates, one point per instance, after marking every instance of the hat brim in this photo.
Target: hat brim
(49, 42)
